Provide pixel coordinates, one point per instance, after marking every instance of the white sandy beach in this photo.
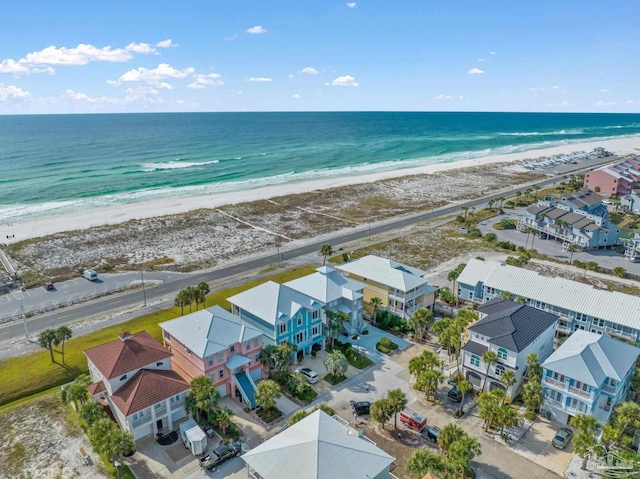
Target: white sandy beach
(154, 208)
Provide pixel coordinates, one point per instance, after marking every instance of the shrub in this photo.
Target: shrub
(508, 245)
(333, 380)
(505, 224)
(475, 232)
(387, 343)
(510, 204)
(460, 219)
(366, 331)
(382, 349)
(490, 237)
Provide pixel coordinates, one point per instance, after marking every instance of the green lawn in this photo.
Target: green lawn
(24, 376)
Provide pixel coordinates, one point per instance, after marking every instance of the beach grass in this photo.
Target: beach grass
(24, 376)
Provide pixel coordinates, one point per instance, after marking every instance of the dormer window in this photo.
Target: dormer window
(232, 348)
(502, 353)
(123, 377)
(159, 363)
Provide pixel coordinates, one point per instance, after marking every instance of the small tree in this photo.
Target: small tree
(325, 408)
(47, 340)
(423, 461)
(419, 322)
(205, 396)
(448, 435)
(464, 387)
(336, 363)
(267, 393)
(490, 357)
(506, 295)
(508, 378)
(91, 412)
(283, 354)
(397, 401)
(325, 250)
(619, 271)
(223, 418)
(76, 393)
(376, 303)
(587, 427)
(202, 290)
(297, 416)
(267, 355)
(463, 451)
(381, 411)
(63, 334)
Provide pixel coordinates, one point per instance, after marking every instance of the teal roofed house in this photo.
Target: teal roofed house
(282, 314)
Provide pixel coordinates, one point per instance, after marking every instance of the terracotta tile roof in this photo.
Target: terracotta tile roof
(124, 355)
(96, 388)
(146, 388)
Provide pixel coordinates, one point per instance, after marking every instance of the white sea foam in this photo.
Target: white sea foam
(175, 165)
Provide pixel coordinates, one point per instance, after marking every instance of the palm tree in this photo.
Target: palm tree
(91, 412)
(533, 367)
(463, 451)
(297, 416)
(587, 427)
(507, 416)
(205, 395)
(47, 340)
(448, 435)
(490, 357)
(464, 210)
(489, 403)
(491, 203)
(202, 291)
(537, 188)
(429, 381)
(381, 411)
(117, 443)
(626, 418)
(267, 393)
(572, 249)
(419, 322)
(63, 334)
(336, 363)
(376, 303)
(423, 461)
(325, 250)
(223, 418)
(508, 378)
(397, 402)
(181, 300)
(267, 355)
(335, 323)
(464, 387)
(191, 295)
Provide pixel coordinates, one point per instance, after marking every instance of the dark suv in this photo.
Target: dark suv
(433, 433)
(454, 395)
(360, 408)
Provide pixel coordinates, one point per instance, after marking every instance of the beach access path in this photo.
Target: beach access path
(134, 300)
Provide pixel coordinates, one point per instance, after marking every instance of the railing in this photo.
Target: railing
(178, 404)
(555, 382)
(563, 329)
(140, 421)
(160, 412)
(609, 389)
(573, 411)
(581, 393)
(620, 333)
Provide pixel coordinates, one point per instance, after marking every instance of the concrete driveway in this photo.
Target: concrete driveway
(368, 342)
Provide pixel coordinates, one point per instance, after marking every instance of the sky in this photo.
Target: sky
(319, 55)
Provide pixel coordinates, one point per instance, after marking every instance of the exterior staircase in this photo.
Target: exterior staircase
(247, 388)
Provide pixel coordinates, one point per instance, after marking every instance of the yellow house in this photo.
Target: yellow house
(402, 289)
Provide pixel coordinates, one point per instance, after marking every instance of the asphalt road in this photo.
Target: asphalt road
(111, 304)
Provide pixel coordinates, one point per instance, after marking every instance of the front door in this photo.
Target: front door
(159, 424)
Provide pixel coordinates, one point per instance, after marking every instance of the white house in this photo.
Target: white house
(318, 447)
(513, 331)
(132, 376)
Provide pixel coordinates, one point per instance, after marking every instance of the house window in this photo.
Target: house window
(613, 383)
(314, 330)
(502, 353)
(159, 363)
(220, 356)
(174, 399)
(470, 294)
(283, 328)
(499, 369)
(598, 322)
(257, 358)
(221, 373)
(123, 377)
(555, 395)
(315, 314)
(248, 345)
(210, 360)
(138, 415)
(475, 360)
(578, 326)
(299, 320)
(167, 336)
(581, 317)
(583, 386)
(232, 348)
(300, 337)
(187, 351)
(559, 377)
(157, 406)
(256, 341)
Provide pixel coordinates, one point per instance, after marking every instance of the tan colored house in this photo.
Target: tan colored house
(402, 289)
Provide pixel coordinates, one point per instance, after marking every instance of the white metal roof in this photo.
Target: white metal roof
(327, 285)
(386, 271)
(618, 308)
(274, 303)
(590, 358)
(210, 330)
(317, 447)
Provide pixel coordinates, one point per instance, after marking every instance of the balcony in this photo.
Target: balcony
(161, 411)
(140, 421)
(555, 382)
(609, 389)
(562, 328)
(178, 404)
(620, 334)
(579, 392)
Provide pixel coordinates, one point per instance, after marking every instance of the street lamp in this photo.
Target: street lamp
(358, 338)
(144, 293)
(116, 465)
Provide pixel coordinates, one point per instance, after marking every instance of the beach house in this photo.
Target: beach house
(579, 218)
(578, 306)
(282, 314)
(631, 202)
(616, 179)
(513, 331)
(215, 343)
(632, 248)
(402, 289)
(337, 292)
(588, 374)
(133, 377)
(318, 447)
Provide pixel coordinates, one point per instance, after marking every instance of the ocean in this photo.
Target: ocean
(54, 164)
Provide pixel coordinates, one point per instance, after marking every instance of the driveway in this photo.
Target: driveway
(368, 342)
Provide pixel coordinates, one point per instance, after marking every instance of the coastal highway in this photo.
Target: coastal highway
(110, 304)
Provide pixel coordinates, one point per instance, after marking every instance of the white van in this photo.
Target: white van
(90, 274)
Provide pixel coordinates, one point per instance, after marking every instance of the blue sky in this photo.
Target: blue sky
(313, 55)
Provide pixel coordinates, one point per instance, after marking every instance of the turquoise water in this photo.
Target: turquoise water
(54, 164)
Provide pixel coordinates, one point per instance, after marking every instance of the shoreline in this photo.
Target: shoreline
(82, 220)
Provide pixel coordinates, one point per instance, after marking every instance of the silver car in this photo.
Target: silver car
(309, 374)
(562, 438)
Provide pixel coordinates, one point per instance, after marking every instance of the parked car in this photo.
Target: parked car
(309, 374)
(454, 394)
(360, 408)
(225, 452)
(433, 433)
(562, 438)
(48, 285)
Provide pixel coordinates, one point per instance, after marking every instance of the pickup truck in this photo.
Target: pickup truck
(360, 408)
(221, 454)
(433, 433)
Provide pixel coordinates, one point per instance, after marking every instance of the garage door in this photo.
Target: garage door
(142, 431)
(474, 378)
(256, 374)
(222, 390)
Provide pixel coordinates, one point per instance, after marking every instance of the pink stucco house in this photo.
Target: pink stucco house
(616, 179)
(218, 344)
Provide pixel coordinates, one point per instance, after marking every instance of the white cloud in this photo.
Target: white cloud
(604, 90)
(481, 59)
(460, 97)
(537, 89)
(232, 37)
(352, 5)
(475, 71)
(309, 70)
(260, 79)
(11, 91)
(203, 80)
(296, 96)
(492, 53)
(154, 76)
(140, 48)
(168, 43)
(564, 104)
(555, 87)
(291, 76)
(257, 30)
(11, 66)
(629, 102)
(345, 80)
(80, 55)
(605, 103)
(443, 97)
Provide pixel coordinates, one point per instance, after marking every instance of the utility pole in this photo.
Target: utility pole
(24, 320)
(144, 293)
